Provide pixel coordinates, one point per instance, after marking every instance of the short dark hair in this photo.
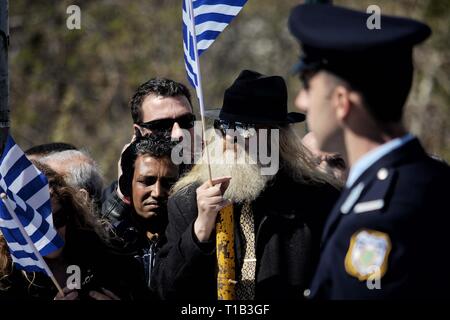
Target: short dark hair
(384, 85)
(47, 148)
(158, 145)
(386, 99)
(160, 87)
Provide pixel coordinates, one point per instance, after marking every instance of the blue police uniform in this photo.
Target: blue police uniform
(387, 235)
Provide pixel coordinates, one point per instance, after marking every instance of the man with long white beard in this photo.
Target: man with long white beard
(279, 203)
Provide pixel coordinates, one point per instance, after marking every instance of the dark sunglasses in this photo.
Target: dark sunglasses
(245, 130)
(185, 122)
(336, 162)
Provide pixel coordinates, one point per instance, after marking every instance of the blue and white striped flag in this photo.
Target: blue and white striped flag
(211, 17)
(28, 197)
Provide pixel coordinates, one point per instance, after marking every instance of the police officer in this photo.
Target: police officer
(387, 236)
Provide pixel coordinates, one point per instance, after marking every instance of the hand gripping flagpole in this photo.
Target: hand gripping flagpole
(224, 225)
(30, 243)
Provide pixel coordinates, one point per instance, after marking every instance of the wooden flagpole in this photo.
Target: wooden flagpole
(31, 244)
(226, 270)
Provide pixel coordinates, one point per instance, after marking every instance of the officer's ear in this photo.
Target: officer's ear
(342, 100)
(339, 95)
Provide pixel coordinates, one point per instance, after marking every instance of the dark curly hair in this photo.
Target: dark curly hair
(158, 145)
(160, 87)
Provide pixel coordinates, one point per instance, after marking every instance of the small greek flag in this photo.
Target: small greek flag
(210, 17)
(25, 210)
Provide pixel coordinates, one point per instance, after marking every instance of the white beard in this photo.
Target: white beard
(246, 182)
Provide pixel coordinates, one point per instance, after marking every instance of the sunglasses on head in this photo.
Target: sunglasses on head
(336, 162)
(186, 121)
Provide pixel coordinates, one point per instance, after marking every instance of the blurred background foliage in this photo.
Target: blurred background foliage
(75, 85)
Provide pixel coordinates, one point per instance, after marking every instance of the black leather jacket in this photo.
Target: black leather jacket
(113, 208)
(134, 244)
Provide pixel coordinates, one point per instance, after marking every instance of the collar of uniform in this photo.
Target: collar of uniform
(372, 156)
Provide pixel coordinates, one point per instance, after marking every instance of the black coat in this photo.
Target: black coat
(403, 208)
(135, 251)
(100, 267)
(289, 219)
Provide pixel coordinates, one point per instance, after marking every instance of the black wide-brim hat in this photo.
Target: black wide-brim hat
(255, 98)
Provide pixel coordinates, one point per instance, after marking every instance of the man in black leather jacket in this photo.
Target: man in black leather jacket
(148, 174)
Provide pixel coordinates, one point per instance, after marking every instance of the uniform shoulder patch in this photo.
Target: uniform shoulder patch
(367, 255)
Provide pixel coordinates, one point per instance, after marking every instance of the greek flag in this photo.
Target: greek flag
(28, 201)
(210, 19)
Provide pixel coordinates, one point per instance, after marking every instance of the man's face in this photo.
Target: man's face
(229, 158)
(151, 183)
(157, 108)
(315, 100)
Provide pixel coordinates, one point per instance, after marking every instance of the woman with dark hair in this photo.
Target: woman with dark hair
(83, 258)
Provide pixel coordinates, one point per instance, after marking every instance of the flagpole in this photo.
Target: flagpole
(224, 224)
(31, 244)
(199, 86)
